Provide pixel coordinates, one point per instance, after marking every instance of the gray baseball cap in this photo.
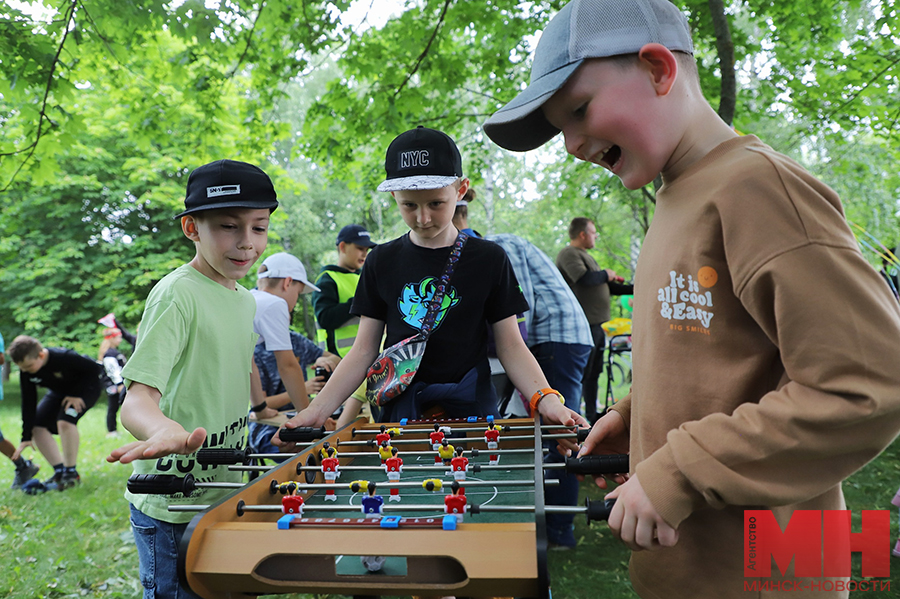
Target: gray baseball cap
(583, 29)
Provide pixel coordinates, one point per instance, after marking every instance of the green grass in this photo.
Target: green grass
(78, 543)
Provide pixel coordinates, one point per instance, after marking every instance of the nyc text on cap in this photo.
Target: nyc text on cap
(583, 29)
(228, 184)
(421, 158)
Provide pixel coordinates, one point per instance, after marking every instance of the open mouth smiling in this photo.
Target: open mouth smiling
(609, 157)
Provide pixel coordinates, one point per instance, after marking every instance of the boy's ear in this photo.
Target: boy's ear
(662, 66)
(189, 228)
(463, 188)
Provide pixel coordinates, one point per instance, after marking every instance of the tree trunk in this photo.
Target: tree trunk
(725, 48)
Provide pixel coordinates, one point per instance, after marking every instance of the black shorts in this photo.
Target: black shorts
(50, 409)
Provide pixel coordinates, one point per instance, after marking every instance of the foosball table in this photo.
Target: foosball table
(461, 513)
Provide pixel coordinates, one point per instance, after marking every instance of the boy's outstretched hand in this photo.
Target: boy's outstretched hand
(166, 441)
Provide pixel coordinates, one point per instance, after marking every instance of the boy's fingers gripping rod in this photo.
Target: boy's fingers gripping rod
(301, 434)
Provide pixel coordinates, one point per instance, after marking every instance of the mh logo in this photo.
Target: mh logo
(414, 158)
(819, 542)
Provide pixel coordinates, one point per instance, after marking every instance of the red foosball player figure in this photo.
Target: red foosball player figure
(384, 436)
(373, 505)
(446, 452)
(394, 466)
(384, 450)
(331, 470)
(492, 437)
(291, 503)
(456, 503)
(436, 438)
(459, 465)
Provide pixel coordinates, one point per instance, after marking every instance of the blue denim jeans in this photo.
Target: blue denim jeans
(563, 364)
(157, 545)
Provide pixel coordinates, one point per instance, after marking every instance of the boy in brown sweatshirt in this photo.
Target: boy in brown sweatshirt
(762, 376)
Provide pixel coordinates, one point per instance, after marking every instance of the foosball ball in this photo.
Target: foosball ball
(412, 508)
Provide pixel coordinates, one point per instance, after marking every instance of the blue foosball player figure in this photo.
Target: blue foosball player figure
(373, 505)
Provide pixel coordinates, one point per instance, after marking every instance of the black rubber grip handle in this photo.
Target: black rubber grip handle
(224, 456)
(301, 433)
(598, 464)
(582, 434)
(599, 509)
(160, 484)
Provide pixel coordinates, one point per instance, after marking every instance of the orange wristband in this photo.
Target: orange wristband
(539, 395)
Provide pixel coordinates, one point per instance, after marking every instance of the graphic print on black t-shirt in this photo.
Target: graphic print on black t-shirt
(414, 300)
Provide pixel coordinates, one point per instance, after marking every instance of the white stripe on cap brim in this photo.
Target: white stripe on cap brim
(417, 182)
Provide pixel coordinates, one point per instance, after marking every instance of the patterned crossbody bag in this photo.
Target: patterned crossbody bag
(395, 367)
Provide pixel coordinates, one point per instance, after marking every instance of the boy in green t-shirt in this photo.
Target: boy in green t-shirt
(189, 380)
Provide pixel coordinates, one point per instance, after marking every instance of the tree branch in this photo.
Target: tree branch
(424, 53)
(828, 116)
(30, 149)
(240, 61)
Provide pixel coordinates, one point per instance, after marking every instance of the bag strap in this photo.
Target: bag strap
(434, 306)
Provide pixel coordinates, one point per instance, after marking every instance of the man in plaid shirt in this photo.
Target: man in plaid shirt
(559, 336)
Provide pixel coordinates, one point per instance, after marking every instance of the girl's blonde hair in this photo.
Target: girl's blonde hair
(108, 336)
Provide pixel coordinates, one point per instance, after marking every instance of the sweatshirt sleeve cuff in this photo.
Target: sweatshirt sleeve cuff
(667, 488)
(623, 407)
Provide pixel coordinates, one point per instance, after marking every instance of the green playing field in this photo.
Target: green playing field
(481, 489)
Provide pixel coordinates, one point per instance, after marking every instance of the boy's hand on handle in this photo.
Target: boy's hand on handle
(314, 385)
(166, 441)
(305, 418)
(555, 412)
(636, 522)
(608, 436)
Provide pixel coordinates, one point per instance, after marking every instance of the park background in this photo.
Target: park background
(106, 106)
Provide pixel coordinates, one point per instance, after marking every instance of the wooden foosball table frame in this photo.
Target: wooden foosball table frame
(224, 555)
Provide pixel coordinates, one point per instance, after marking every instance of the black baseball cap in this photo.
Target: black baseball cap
(228, 184)
(421, 158)
(356, 234)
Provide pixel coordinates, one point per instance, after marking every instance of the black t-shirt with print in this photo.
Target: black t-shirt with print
(396, 282)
